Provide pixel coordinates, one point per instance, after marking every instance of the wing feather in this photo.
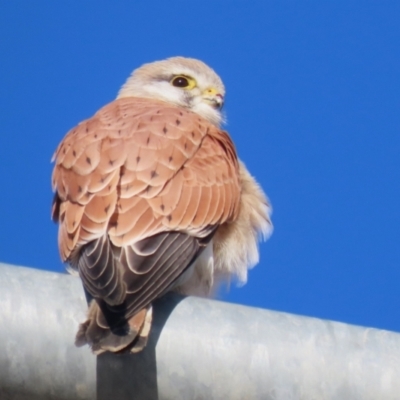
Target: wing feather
(129, 280)
(141, 188)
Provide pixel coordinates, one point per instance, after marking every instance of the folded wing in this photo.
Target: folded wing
(140, 188)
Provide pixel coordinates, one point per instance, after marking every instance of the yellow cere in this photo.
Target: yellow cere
(211, 91)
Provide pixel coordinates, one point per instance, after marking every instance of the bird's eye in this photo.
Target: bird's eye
(180, 81)
(183, 82)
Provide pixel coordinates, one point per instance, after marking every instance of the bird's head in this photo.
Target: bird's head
(184, 82)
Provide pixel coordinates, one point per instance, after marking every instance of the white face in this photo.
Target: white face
(181, 81)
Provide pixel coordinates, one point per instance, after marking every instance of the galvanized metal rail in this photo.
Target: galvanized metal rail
(199, 349)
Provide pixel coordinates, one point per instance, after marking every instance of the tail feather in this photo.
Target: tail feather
(101, 337)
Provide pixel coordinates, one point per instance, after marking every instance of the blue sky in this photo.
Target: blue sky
(313, 96)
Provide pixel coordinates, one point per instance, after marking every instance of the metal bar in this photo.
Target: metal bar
(198, 349)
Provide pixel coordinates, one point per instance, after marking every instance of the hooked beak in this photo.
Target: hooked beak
(213, 97)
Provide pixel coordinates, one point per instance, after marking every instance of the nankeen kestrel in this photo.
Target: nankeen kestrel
(150, 197)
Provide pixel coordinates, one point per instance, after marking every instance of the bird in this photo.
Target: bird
(150, 197)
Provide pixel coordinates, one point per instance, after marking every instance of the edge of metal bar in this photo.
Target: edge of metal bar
(198, 349)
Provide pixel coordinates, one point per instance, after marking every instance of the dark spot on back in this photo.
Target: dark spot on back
(165, 130)
(87, 129)
(162, 207)
(178, 122)
(153, 174)
(80, 189)
(169, 218)
(170, 158)
(88, 160)
(74, 153)
(148, 140)
(137, 159)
